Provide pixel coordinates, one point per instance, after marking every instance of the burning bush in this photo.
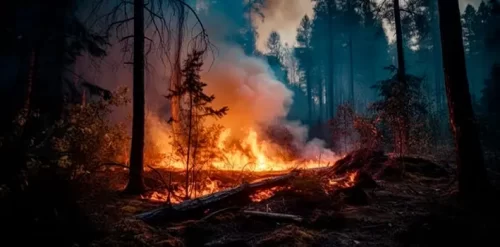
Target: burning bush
(193, 140)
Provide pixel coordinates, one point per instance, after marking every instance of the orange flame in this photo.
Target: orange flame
(251, 154)
(344, 182)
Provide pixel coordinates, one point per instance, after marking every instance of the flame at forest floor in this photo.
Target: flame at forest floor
(248, 150)
(231, 156)
(211, 186)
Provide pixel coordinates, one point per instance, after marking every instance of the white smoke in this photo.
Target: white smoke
(247, 86)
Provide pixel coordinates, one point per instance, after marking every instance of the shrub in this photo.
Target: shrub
(88, 139)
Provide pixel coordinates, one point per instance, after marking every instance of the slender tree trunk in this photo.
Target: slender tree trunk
(330, 95)
(437, 59)
(195, 152)
(136, 181)
(351, 73)
(399, 41)
(471, 172)
(190, 131)
(401, 75)
(309, 91)
(176, 80)
(321, 105)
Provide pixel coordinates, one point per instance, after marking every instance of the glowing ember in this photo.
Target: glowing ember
(156, 197)
(209, 187)
(344, 182)
(264, 194)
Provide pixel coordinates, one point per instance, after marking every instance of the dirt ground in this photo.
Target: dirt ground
(418, 209)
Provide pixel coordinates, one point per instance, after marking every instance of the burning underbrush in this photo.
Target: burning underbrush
(220, 158)
(266, 149)
(345, 179)
(358, 200)
(351, 172)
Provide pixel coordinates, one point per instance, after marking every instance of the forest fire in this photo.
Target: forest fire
(250, 122)
(252, 134)
(250, 154)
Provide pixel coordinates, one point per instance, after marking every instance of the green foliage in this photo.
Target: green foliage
(195, 142)
(402, 109)
(192, 87)
(276, 57)
(74, 146)
(88, 139)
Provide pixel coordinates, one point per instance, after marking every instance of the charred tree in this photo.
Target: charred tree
(136, 181)
(470, 164)
(161, 29)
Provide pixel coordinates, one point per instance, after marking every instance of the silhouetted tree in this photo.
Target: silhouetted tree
(136, 181)
(304, 55)
(119, 20)
(471, 172)
(275, 57)
(402, 108)
(399, 40)
(197, 108)
(490, 112)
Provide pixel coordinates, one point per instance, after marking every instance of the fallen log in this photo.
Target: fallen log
(196, 208)
(274, 215)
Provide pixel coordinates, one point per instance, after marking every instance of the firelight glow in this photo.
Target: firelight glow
(252, 154)
(256, 101)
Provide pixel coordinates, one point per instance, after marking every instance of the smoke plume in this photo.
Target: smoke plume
(246, 85)
(282, 16)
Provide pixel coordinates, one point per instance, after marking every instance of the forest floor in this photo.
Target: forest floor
(419, 209)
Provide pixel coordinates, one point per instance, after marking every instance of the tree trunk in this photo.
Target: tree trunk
(330, 86)
(470, 164)
(351, 75)
(136, 181)
(399, 41)
(309, 90)
(401, 75)
(176, 81)
(190, 132)
(321, 105)
(437, 60)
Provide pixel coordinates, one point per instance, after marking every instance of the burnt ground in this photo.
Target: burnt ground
(418, 209)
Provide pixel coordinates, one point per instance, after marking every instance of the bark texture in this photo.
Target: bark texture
(471, 172)
(136, 180)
